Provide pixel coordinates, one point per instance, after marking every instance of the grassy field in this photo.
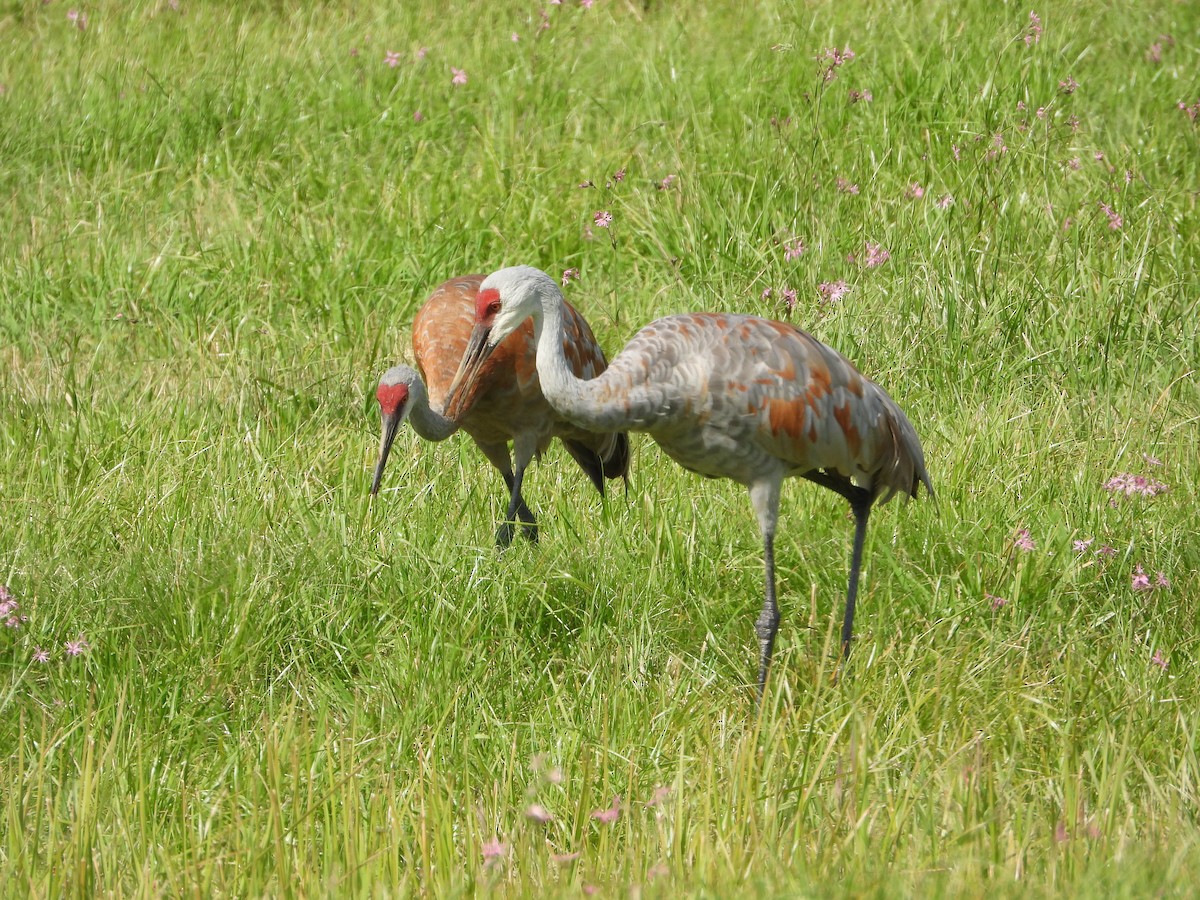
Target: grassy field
(228, 672)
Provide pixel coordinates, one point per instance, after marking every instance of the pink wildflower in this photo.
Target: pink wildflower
(1075, 124)
(1106, 551)
(494, 849)
(1159, 660)
(876, 255)
(832, 59)
(846, 186)
(586, 4)
(1192, 111)
(569, 275)
(765, 295)
(1068, 86)
(422, 52)
(1154, 54)
(538, 813)
(1129, 484)
(1022, 540)
(586, 184)
(77, 647)
(998, 146)
(610, 815)
(1151, 460)
(789, 297)
(793, 249)
(863, 96)
(40, 655)
(1082, 546)
(915, 191)
(1033, 33)
(1041, 113)
(1075, 164)
(666, 183)
(1114, 220)
(997, 602)
(1161, 580)
(661, 795)
(459, 76)
(945, 202)
(1140, 580)
(832, 291)
(392, 59)
(602, 218)
(418, 116)
(956, 151)
(619, 175)
(79, 18)
(516, 38)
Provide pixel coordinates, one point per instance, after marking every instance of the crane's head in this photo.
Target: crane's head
(396, 392)
(506, 299)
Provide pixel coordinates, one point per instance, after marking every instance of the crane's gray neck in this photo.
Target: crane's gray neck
(430, 425)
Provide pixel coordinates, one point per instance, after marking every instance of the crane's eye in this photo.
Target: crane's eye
(493, 307)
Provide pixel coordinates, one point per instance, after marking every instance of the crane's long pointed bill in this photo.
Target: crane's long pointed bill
(390, 424)
(473, 359)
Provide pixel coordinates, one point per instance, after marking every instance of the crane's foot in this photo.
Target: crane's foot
(504, 534)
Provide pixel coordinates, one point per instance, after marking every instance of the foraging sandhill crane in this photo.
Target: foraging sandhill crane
(504, 402)
(727, 396)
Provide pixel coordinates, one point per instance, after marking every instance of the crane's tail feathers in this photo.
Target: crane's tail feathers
(903, 469)
(607, 456)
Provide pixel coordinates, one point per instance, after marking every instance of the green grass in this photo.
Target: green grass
(215, 226)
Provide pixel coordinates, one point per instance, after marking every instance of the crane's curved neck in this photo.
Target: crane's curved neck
(430, 425)
(585, 403)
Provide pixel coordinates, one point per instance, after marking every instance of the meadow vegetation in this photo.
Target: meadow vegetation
(226, 671)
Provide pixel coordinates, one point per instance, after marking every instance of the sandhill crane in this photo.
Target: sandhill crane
(504, 403)
(727, 396)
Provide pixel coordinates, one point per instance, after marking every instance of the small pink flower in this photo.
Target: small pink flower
(833, 291)
(354, 51)
(15, 621)
(494, 849)
(1022, 540)
(1033, 33)
(662, 793)
(602, 218)
(1140, 580)
(1151, 460)
(846, 186)
(1114, 220)
(1159, 660)
(1068, 85)
(915, 191)
(1041, 113)
(422, 52)
(1076, 164)
(793, 249)
(619, 175)
(1075, 124)
(997, 602)
(538, 813)
(569, 275)
(586, 4)
(789, 297)
(459, 76)
(1154, 54)
(876, 255)
(957, 151)
(1082, 546)
(79, 18)
(945, 202)
(392, 59)
(418, 116)
(832, 59)
(77, 647)
(586, 184)
(610, 815)
(863, 96)
(40, 655)
(1106, 551)
(998, 146)
(666, 183)
(765, 295)
(1161, 580)
(590, 889)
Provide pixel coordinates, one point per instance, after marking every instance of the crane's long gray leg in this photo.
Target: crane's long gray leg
(860, 505)
(764, 495)
(518, 511)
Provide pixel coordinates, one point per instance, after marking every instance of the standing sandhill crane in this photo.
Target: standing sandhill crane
(504, 402)
(726, 396)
